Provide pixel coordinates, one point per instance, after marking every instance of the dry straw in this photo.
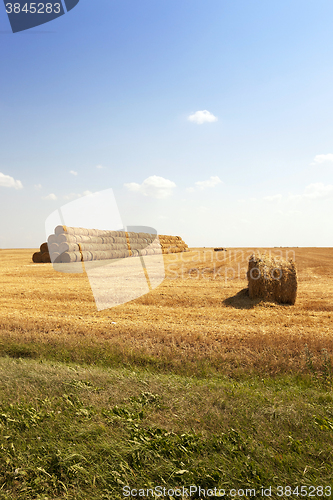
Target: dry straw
(44, 247)
(71, 244)
(273, 279)
(46, 257)
(37, 258)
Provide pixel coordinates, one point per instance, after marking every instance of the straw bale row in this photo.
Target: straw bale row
(69, 244)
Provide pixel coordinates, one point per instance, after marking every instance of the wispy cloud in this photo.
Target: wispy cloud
(202, 209)
(73, 172)
(322, 159)
(274, 197)
(38, 186)
(315, 191)
(204, 116)
(50, 196)
(99, 166)
(288, 213)
(73, 196)
(10, 182)
(154, 186)
(209, 183)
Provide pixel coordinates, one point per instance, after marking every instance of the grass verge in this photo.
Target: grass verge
(71, 431)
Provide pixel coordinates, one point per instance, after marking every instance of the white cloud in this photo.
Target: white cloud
(99, 166)
(38, 186)
(50, 196)
(202, 209)
(275, 197)
(154, 186)
(73, 196)
(201, 117)
(209, 183)
(288, 213)
(8, 181)
(318, 190)
(314, 191)
(322, 159)
(133, 186)
(73, 172)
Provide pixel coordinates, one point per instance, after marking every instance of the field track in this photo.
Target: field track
(198, 312)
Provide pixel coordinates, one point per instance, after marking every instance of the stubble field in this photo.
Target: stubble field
(199, 318)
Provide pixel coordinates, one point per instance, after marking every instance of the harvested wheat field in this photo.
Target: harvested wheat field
(200, 315)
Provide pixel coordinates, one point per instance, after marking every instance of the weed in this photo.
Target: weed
(308, 359)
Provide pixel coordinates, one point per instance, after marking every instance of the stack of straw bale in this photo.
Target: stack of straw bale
(272, 279)
(70, 244)
(172, 244)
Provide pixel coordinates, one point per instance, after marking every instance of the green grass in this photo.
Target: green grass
(74, 431)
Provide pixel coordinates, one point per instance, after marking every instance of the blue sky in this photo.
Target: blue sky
(107, 91)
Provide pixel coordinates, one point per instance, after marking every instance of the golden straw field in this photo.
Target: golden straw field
(199, 313)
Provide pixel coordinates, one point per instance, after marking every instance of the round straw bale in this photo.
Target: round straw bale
(105, 254)
(71, 230)
(273, 279)
(46, 257)
(119, 239)
(102, 255)
(68, 247)
(68, 257)
(53, 247)
(92, 247)
(61, 238)
(54, 256)
(114, 254)
(107, 239)
(37, 257)
(122, 253)
(44, 248)
(52, 239)
(139, 246)
(59, 230)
